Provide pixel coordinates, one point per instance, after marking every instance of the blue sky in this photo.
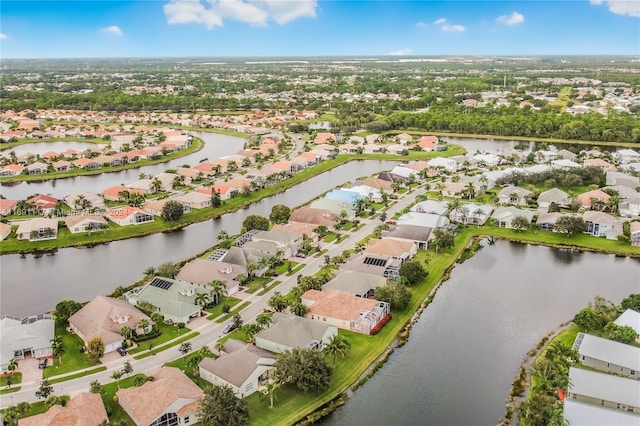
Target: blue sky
(53, 29)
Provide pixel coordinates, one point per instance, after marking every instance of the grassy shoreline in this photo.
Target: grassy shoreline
(196, 146)
(25, 141)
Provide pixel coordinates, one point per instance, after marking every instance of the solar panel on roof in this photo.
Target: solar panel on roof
(374, 261)
(161, 283)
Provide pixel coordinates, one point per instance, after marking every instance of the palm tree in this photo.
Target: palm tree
(57, 348)
(156, 317)
(220, 347)
(12, 366)
(478, 212)
(251, 269)
(223, 235)
(337, 344)
(156, 185)
(218, 290)
(251, 330)
(205, 352)
(149, 272)
(117, 375)
(264, 320)
(194, 362)
(126, 331)
(201, 299)
(143, 323)
(470, 190)
(270, 390)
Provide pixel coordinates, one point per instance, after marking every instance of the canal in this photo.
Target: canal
(33, 285)
(465, 350)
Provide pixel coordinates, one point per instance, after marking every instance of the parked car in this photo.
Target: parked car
(122, 351)
(301, 255)
(229, 328)
(43, 363)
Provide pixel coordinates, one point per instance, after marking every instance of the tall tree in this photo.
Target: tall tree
(57, 348)
(44, 390)
(337, 345)
(220, 407)
(305, 368)
(64, 310)
(280, 213)
(95, 349)
(218, 289)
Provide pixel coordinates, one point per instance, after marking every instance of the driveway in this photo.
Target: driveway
(30, 371)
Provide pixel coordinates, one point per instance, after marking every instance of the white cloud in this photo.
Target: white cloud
(513, 19)
(452, 28)
(3, 36)
(401, 52)
(421, 25)
(113, 29)
(212, 13)
(621, 7)
(440, 21)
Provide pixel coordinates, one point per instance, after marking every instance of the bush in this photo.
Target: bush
(147, 336)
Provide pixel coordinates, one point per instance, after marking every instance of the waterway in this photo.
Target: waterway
(501, 145)
(39, 148)
(216, 146)
(33, 285)
(465, 350)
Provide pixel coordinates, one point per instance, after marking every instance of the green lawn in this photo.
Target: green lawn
(12, 390)
(330, 237)
(287, 265)
(257, 284)
(15, 379)
(77, 375)
(167, 332)
(216, 311)
(233, 312)
(72, 359)
(166, 346)
(269, 287)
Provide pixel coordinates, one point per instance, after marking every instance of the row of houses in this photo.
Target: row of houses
(608, 392)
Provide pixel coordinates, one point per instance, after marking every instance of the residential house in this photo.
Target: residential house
(471, 214)
(627, 156)
(313, 216)
(544, 156)
(37, 168)
(359, 284)
(600, 163)
(84, 409)
(37, 229)
(504, 216)
(346, 311)
(373, 138)
(7, 206)
(45, 203)
(604, 390)
(334, 206)
(194, 200)
(104, 317)
(85, 223)
(582, 413)
(404, 138)
(61, 166)
(513, 195)
(5, 231)
(554, 195)
(286, 242)
(586, 199)
(287, 332)
(431, 207)
(630, 318)
(243, 256)
(87, 163)
(127, 215)
(25, 337)
(170, 399)
(323, 137)
(564, 164)
(428, 143)
(11, 170)
(367, 192)
(419, 235)
(601, 224)
(454, 189)
(118, 192)
(175, 300)
(402, 250)
(635, 234)
(608, 355)
(242, 367)
(203, 271)
(622, 179)
(382, 185)
(404, 173)
(547, 221)
(84, 200)
(567, 155)
(155, 207)
(426, 220)
(188, 174)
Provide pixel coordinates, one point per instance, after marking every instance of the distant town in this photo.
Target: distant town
(281, 314)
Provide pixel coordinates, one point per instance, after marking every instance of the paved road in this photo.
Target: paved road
(211, 331)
